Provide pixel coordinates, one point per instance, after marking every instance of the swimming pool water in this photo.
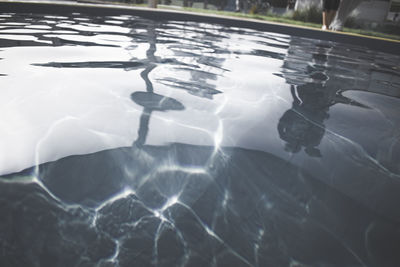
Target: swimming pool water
(133, 142)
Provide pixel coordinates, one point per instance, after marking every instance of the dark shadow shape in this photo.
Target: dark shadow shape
(300, 132)
(156, 102)
(63, 42)
(95, 64)
(145, 76)
(16, 43)
(197, 89)
(340, 99)
(268, 54)
(303, 124)
(151, 102)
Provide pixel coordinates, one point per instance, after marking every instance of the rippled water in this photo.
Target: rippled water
(132, 142)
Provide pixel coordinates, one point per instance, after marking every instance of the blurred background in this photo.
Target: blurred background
(370, 17)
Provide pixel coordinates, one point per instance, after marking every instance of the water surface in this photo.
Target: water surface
(132, 142)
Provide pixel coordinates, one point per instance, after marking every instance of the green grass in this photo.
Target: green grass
(372, 33)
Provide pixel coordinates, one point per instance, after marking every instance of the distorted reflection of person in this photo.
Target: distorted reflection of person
(149, 100)
(302, 125)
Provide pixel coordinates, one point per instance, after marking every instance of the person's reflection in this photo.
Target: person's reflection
(149, 100)
(302, 126)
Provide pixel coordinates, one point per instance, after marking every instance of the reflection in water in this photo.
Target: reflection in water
(149, 100)
(111, 64)
(303, 125)
(207, 182)
(152, 102)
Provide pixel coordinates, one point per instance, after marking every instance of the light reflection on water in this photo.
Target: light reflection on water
(130, 141)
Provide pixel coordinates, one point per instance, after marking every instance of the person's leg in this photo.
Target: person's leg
(325, 4)
(325, 20)
(332, 12)
(331, 15)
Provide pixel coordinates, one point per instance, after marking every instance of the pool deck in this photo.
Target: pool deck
(63, 7)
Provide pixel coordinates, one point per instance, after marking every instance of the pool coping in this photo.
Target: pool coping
(63, 7)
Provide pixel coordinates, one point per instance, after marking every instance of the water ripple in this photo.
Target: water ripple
(126, 141)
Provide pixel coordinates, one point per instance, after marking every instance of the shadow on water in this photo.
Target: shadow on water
(178, 202)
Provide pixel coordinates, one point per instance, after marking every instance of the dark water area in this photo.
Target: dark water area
(131, 142)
